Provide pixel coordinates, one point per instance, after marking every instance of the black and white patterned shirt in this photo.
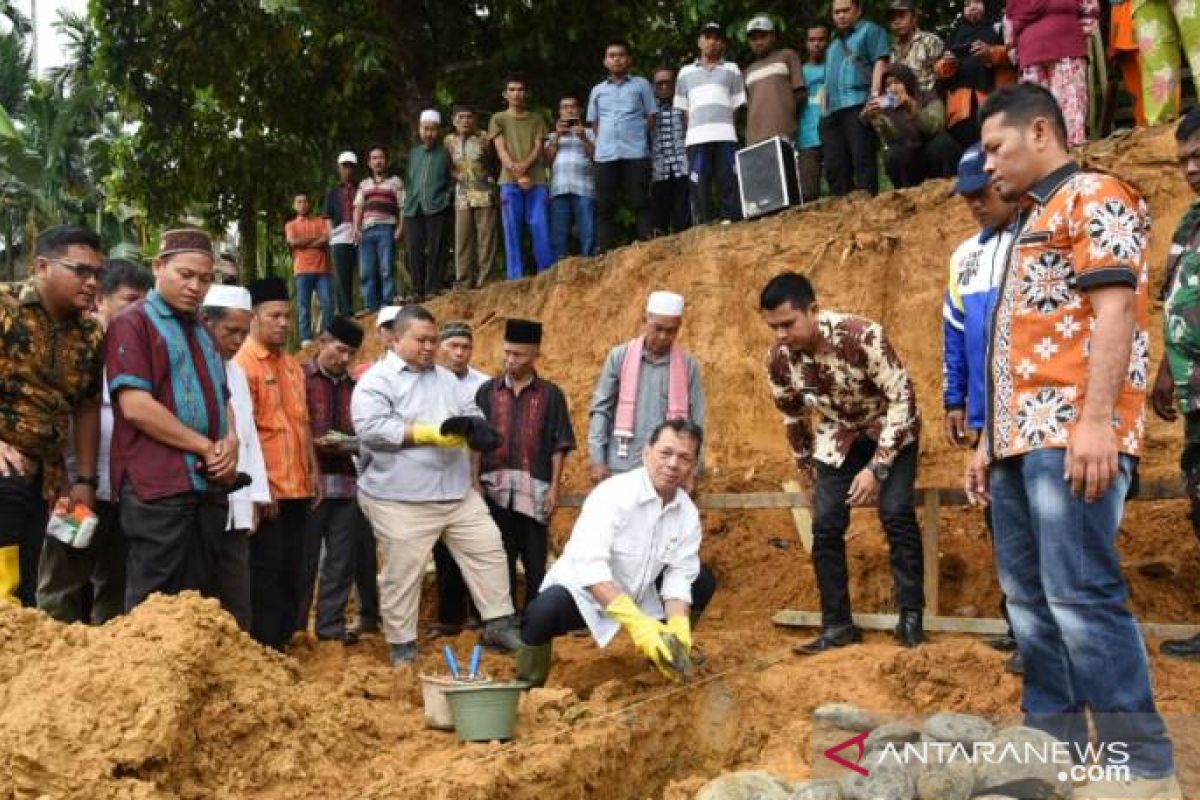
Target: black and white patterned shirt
(670, 154)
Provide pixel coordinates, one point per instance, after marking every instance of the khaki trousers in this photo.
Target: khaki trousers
(406, 533)
(475, 242)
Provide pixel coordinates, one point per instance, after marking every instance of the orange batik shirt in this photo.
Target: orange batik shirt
(1078, 231)
(279, 392)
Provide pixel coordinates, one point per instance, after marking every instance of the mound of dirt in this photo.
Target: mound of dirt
(154, 705)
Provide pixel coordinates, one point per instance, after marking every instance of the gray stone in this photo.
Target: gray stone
(749, 785)
(897, 733)
(958, 728)
(1006, 769)
(818, 790)
(951, 782)
(845, 716)
(886, 780)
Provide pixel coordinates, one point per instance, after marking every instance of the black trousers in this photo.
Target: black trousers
(671, 205)
(426, 237)
(897, 513)
(276, 561)
(366, 578)
(527, 539)
(234, 584)
(337, 524)
(706, 162)
(345, 261)
(628, 177)
(454, 601)
(554, 612)
(67, 575)
(850, 146)
(909, 165)
(23, 517)
(172, 543)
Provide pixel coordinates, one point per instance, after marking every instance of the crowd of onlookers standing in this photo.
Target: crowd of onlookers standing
(665, 149)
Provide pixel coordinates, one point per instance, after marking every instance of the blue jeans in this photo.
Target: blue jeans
(519, 208)
(564, 208)
(1059, 568)
(376, 253)
(305, 285)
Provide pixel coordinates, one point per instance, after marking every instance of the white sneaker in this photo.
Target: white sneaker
(1142, 788)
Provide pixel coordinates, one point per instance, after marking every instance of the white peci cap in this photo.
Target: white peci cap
(668, 304)
(432, 116)
(234, 297)
(386, 315)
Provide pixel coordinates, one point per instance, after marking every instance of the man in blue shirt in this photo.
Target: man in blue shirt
(621, 111)
(853, 74)
(808, 133)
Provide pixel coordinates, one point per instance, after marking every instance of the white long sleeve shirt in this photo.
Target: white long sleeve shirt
(250, 456)
(387, 401)
(627, 535)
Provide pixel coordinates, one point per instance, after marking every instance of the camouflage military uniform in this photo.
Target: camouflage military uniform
(1181, 333)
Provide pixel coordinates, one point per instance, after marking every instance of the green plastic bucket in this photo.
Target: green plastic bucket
(484, 712)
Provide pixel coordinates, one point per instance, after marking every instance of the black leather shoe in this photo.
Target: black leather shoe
(830, 639)
(1183, 648)
(910, 632)
(1015, 665)
(1005, 644)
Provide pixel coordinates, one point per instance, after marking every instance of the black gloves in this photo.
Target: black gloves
(479, 434)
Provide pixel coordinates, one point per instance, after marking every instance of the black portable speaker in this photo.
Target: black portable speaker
(767, 177)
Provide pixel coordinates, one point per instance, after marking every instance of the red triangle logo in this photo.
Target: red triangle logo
(860, 740)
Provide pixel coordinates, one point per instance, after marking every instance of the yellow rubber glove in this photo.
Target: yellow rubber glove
(645, 631)
(681, 627)
(425, 434)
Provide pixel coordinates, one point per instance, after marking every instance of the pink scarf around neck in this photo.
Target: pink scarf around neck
(631, 372)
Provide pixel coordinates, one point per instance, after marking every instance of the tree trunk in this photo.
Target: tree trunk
(248, 244)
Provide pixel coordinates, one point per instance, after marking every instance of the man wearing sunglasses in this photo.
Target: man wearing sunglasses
(52, 362)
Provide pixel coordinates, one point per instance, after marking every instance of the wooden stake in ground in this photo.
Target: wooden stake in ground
(801, 514)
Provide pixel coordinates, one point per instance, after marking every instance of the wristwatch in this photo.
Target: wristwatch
(880, 471)
(88, 480)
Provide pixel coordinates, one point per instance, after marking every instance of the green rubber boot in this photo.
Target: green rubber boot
(533, 665)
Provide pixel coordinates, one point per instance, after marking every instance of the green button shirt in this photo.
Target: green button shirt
(429, 181)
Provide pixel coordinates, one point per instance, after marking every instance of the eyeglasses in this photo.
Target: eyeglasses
(81, 271)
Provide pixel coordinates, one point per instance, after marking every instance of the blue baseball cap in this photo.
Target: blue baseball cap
(971, 177)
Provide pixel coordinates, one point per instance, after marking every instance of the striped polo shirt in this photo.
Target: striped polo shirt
(710, 96)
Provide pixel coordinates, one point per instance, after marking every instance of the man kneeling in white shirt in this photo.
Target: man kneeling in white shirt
(633, 560)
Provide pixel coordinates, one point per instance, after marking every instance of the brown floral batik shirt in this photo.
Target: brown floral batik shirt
(47, 371)
(856, 386)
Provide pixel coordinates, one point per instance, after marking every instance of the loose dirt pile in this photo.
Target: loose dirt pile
(175, 702)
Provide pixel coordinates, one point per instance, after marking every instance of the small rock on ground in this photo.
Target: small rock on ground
(959, 728)
(950, 782)
(1037, 778)
(818, 790)
(845, 716)
(886, 780)
(749, 785)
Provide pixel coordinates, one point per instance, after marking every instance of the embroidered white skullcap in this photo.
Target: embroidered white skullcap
(235, 297)
(668, 304)
(431, 115)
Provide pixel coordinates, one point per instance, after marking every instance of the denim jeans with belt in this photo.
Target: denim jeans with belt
(568, 208)
(1061, 574)
(306, 285)
(376, 254)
